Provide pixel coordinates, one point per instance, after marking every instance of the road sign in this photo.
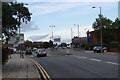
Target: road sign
(56, 39)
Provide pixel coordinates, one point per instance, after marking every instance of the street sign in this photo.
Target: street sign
(56, 39)
(17, 38)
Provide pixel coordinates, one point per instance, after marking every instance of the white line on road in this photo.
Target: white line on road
(80, 57)
(112, 63)
(95, 59)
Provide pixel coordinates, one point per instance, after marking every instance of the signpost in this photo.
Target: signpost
(57, 40)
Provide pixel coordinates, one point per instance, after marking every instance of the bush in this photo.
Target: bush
(114, 45)
(88, 46)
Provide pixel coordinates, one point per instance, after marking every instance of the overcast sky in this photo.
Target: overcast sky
(64, 14)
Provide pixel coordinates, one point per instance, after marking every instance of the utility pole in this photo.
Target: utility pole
(19, 15)
(101, 37)
(19, 20)
(71, 35)
(78, 29)
(85, 31)
(52, 31)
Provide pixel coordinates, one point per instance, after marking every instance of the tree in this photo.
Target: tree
(51, 43)
(28, 43)
(108, 27)
(12, 14)
(116, 25)
(46, 44)
(63, 45)
(106, 23)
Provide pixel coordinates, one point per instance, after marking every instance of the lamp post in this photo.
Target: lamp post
(52, 31)
(100, 26)
(85, 31)
(78, 29)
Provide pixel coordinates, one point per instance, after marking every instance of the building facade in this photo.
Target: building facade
(78, 41)
(91, 37)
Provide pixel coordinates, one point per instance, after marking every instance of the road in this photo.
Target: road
(79, 65)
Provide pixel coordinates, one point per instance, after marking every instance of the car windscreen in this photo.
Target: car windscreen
(98, 47)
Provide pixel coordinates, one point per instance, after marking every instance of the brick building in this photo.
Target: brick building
(91, 37)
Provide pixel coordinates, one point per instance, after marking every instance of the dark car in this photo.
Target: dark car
(41, 52)
(28, 52)
(98, 49)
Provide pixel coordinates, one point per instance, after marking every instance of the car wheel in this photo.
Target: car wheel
(45, 55)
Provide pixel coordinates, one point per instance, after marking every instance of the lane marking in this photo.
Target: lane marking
(80, 57)
(95, 59)
(34, 65)
(112, 63)
(42, 70)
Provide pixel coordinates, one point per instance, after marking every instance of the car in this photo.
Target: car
(98, 49)
(41, 52)
(64, 47)
(17, 51)
(28, 52)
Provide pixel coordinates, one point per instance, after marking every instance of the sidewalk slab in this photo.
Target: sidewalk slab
(18, 67)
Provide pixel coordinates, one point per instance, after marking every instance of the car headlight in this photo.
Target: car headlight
(44, 52)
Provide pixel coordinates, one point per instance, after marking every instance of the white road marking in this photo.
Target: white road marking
(83, 57)
(112, 63)
(80, 57)
(95, 59)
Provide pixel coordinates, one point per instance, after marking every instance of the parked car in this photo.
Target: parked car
(98, 49)
(64, 47)
(41, 52)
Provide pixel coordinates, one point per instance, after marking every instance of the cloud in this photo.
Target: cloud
(28, 27)
(67, 0)
(40, 37)
(52, 7)
(66, 33)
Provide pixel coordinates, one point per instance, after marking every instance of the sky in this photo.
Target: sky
(63, 14)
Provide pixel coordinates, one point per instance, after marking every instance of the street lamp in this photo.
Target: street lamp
(78, 28)
(100, 25)
(52, 30)
(85, 31)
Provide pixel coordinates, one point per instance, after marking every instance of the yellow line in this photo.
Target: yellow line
(45, 72)
(41, 69)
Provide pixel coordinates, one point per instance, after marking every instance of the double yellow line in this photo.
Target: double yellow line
(44, 75)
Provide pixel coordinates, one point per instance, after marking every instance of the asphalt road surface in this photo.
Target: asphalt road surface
(79, 65)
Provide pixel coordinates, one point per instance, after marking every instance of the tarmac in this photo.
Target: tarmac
(68, 52)
(19, 68)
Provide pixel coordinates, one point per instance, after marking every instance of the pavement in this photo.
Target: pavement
(19, 68)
